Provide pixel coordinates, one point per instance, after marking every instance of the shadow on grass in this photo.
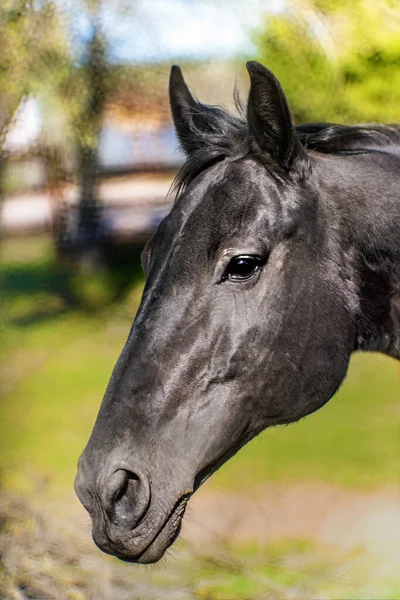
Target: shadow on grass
(37, 317)
(43, 288)
(19, 280)
(125, 268)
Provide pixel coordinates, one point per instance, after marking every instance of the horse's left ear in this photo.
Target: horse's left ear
(182, 107)
(269, 120)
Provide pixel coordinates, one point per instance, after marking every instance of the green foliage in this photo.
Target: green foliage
(31, 43)
(301, 65)
(87, 86)
(337, 61)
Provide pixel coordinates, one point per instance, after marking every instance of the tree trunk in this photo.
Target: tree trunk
(89, 210)
(90, 229)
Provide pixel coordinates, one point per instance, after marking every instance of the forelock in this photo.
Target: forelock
(218, 135)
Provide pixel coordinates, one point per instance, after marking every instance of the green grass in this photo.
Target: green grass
(56, 361)
(352, 441)
(288, 570)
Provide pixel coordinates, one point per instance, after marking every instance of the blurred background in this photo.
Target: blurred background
(87, 158)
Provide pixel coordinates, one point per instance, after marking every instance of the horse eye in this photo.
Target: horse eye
(242, 267)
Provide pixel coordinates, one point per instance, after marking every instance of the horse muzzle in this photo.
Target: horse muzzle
(131, 519)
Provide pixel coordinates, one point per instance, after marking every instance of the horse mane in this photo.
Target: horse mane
(329, 138)
(224, 135)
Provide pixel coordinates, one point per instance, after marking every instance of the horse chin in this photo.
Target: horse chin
(164, 540)
(127, 549)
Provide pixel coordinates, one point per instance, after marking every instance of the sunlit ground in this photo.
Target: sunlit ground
(55, 364)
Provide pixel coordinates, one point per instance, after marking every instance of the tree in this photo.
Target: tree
(31, 41)
(337, 61)
(87, 84)
(93, 79)
(31, 44)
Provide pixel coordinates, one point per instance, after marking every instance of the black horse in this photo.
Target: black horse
(280, 257)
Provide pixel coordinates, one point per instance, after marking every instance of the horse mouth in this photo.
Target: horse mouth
(166, 536)
(171, 528)
(156, 546)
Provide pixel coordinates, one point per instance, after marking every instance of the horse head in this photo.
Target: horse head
(247, 319)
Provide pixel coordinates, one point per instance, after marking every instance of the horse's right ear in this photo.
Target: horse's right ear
(270, 123)
(183, 105)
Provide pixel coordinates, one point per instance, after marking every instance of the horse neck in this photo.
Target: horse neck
(363, 192)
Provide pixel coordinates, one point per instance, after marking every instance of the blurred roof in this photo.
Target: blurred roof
(141, 100)
(137, 133)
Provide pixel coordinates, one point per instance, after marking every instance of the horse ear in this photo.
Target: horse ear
(182, 107)
(269, 119)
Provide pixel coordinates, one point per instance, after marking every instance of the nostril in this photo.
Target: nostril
(128, 485)
(129, 497)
